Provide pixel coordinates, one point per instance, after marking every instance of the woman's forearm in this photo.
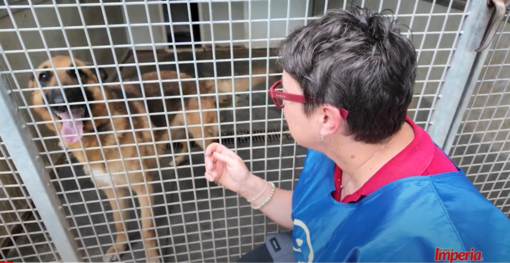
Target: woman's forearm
(279, 206)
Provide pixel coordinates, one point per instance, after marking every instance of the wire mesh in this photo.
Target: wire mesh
(23, 236)
(481, 146)
(211, 40)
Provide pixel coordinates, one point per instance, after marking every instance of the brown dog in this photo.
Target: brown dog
(123, 141)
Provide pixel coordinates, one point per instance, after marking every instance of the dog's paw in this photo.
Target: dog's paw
(178, 161)
(153, 256)
(112, 257)
(171, 164)
(153, 260)
(112, 254)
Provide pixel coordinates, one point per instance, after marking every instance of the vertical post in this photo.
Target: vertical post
(463, 72)
(24, 154)
(466, 95)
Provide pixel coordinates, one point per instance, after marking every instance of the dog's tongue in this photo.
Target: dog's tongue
(68, 131)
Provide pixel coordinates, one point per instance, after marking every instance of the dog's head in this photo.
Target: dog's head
(62, 96)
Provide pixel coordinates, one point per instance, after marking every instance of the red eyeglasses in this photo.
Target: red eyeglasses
(280, 96)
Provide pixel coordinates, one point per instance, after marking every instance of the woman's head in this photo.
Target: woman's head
(350, 61)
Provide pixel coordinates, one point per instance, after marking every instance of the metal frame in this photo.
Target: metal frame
(480, 145)
(464, 69)
(25, 156)
(464, 99)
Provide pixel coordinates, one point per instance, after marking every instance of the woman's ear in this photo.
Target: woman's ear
(330, 120)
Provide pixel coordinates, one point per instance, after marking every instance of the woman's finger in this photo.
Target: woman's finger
(212, 174)
(215, 147)
(209, 177)
(207, 163)
(211, 149)
(210, 161)
(225, 158)
(210, 164)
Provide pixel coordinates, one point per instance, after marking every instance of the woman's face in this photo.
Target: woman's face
(305, 130)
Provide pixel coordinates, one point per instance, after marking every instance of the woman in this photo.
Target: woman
(374, 186)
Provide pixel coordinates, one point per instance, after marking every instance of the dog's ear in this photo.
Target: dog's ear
(102, 72)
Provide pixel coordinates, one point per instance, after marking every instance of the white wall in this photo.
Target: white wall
(245, 31)
(142, 34)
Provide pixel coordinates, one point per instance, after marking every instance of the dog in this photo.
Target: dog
(131, 139)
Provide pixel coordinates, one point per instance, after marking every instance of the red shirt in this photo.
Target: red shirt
(420, 158)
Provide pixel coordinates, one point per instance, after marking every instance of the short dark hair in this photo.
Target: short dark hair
(357, 60)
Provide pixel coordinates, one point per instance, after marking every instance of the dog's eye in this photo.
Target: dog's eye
(43, 77)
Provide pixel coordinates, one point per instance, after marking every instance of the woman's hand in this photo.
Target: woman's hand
(225, 167)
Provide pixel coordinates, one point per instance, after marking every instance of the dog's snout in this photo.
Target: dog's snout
(57, 97)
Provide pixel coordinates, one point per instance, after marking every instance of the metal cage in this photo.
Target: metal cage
(52, 211)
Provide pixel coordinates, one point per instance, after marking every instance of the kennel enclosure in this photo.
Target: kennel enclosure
(51, 210)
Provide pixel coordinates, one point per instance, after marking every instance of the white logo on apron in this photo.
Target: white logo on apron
(300, 247)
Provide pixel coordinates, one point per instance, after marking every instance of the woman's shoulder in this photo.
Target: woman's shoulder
(471, 215)
(451, 196)
(446, 204)
(461, 200)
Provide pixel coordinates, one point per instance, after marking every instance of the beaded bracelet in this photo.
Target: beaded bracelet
(261, 193)
(267, 199)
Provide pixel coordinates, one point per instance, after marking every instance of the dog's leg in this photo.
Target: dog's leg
(208, 118)
(146, 200)
(211, 131)
(181, 158)
(116, 196)
(177, 134)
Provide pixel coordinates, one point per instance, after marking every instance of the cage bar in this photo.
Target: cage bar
(465, 65)
(26, 158)
(480, 144)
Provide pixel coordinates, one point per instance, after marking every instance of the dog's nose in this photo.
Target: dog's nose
(57, 98)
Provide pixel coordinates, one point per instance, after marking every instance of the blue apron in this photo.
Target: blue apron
(404, 221)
